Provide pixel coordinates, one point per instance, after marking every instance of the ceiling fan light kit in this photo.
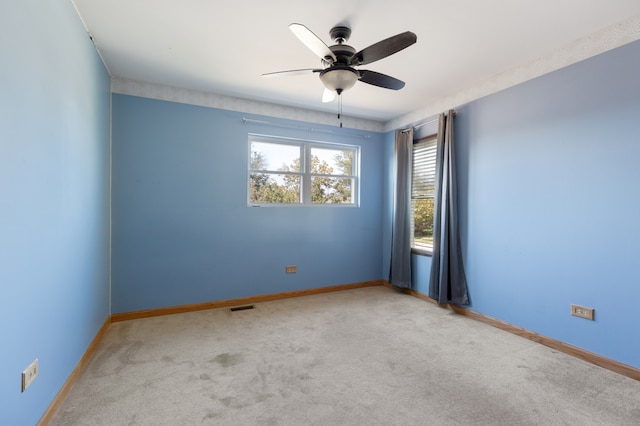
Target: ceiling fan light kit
(339, 61)
(338, 78)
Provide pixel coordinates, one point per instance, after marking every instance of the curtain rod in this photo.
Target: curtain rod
(417, 126)
(246, 120)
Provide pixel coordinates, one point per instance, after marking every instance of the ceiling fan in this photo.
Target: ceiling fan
(339, 61)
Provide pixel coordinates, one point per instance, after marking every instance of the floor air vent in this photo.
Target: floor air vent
(241, 308)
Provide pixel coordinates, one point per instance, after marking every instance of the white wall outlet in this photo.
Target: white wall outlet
(29, 374)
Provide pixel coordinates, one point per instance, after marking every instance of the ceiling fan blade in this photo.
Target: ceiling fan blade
(292, 72)
(384, 48)
(380, 80)
(312, 41)
(328, 95)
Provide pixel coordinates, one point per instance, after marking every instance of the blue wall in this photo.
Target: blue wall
(550, 204)
(182, 230)
(54, 193)
(548, 195)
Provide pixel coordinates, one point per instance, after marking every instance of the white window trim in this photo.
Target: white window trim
(305, 173)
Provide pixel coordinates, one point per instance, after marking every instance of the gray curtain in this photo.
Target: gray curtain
(400, 271)
(447, 282)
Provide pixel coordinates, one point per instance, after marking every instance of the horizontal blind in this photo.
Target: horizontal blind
(424, 169)
(422, 194)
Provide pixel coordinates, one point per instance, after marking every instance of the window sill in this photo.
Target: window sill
(297, 205)
(422, 252)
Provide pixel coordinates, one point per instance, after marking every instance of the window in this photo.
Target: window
(294, 172)
(422, 194)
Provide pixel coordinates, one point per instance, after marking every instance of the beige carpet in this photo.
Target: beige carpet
(370, 356)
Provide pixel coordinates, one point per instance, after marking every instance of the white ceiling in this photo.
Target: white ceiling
(223, 47)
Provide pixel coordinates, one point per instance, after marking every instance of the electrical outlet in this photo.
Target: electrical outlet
(582, 312)
(29, 374)
(291, 269)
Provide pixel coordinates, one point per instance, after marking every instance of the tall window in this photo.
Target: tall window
(422, 194)
(294, 172)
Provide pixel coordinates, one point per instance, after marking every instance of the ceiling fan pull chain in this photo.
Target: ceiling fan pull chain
(340, 109)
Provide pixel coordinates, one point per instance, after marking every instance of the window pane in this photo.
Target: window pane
(275, 157)
(331, 161)
(274, 188)
(326, 190)
(422, 223)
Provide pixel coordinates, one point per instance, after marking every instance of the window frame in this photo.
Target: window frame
(305, 173)
(431, 142)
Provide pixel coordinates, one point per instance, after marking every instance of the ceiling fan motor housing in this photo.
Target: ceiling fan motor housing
(343, 53)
